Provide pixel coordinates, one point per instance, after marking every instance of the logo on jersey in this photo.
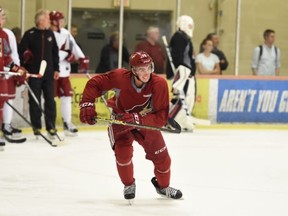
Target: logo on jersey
(149, 95)
(160, 150)
(146, 109)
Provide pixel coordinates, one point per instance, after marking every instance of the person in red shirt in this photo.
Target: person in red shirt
(153, 48)
(141, 97)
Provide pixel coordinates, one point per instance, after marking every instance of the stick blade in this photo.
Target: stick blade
(165, 41)
(173, 126)
(43, 66)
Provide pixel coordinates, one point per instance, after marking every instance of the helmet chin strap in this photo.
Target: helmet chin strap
(137, 77)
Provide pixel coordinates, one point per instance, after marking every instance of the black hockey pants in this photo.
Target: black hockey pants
(47, 87)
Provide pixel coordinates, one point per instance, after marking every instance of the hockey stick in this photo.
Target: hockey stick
(42, 69)
(19, 74)
(29, 123)
(169, 54)
(176, 126)
(10, 139)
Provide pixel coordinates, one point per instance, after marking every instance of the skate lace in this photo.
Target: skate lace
(8, 128)
(170, 191)
(129, 189)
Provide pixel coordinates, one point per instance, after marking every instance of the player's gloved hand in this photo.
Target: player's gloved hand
(19, 80)
(28, 57)
(84, 64)
(126, 117)
(70, 57)
(135, 118)
(88, 113)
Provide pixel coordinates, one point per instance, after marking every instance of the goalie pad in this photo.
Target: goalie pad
(182, 74)
(182, 103)
(179, 112)
(190, 94)
(185, 87)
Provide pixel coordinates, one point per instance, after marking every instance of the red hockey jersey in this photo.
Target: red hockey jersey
(151, 100)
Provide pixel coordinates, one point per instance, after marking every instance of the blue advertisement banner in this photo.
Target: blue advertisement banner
(252, 101)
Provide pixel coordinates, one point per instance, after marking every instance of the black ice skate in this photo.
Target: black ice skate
(36, 133)
(11, 134)
(9, 130)
(70, 129)
(51, 134)
(129, 191)
(16, 132)
(168, 192)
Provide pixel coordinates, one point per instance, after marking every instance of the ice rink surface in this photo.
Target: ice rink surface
(220, 172)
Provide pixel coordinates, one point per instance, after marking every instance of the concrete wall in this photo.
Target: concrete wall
(13, 11)
(256, 16)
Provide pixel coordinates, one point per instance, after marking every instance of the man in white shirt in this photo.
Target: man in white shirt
(266, 57)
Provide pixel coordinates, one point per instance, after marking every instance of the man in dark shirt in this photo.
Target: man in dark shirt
(37, 44)
(109, 55)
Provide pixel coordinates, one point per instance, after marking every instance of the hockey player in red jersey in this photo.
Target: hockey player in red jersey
(141, 97)
(6, 64)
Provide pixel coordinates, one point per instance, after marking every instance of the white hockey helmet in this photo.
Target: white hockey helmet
(186, 24)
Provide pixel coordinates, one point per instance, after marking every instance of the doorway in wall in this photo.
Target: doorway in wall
(95, 27)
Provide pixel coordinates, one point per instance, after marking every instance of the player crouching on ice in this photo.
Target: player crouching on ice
(141, 97)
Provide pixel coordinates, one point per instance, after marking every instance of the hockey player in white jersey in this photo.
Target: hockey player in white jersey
(7, 128)
(69, 51)
(184, 85)
(9, 62)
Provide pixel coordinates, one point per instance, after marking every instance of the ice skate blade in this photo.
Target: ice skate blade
(58, 143)
(70, 134)
(51, 137)
(130, 201)
(187, 130)
(169, 198)
(14, 140)
(16, 135)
